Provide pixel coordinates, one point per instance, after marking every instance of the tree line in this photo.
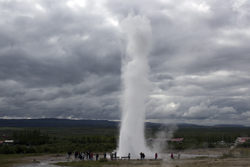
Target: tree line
(35, 142)
(34, 137)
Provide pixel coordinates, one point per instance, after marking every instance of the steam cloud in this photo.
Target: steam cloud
(135, 71)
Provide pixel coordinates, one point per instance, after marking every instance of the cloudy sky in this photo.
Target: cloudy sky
(62, 59)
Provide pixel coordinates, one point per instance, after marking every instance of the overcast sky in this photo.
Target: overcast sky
(62, 59)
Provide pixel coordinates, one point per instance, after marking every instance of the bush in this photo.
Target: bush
(30, 150)
(43, 149)
(20, 149)
(211, 145)
(6, 149)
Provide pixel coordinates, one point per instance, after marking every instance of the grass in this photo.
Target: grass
(6, 163)
(7, 160)
(12, 156)
(201, 157)
(108, 163)
(224, 156)
(61, 131)
(246, 153)
(227, 161)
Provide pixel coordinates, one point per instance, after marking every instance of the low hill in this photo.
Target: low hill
(53, 122)
(229, 125)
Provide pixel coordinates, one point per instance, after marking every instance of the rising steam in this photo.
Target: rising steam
(135, 71)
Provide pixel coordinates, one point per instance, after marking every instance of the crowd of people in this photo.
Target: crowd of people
(85, 154)
(142, 155)
(88, 155)
(172, 156)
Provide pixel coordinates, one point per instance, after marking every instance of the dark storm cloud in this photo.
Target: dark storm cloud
(56, 61)
(63, 59)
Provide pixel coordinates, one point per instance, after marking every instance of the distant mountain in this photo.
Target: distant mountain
(152, 125)
(53, 122)
(229, 125)
(185, 125)
(180, 125)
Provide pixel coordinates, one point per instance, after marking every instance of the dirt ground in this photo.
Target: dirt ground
(210, 158)
(35, 160)
(189, 158)
(210, 162)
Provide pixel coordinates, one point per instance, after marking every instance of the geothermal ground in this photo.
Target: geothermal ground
(189, 158)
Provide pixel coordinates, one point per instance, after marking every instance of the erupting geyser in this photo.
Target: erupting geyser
(135, 71)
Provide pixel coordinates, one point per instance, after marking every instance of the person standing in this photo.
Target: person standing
(96, 156)
(80, 155)
(111, 156)
(105, 155)
(75, 154)
(179, 155)
(69, 153)
(83, 154)
(172, 156)
(87, 155)
(91, 154)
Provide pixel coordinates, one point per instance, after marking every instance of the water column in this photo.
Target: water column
(135, 70)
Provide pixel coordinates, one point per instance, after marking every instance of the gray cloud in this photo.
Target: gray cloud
(63, 59)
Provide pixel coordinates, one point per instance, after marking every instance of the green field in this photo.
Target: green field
(62, 131)
(37, 141)
(62, 139)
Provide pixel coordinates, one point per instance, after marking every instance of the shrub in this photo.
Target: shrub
(211, 145)
(20, 149)
(30, 150)
(6, 149)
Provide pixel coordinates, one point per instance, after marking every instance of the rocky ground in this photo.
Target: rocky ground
(189, 158)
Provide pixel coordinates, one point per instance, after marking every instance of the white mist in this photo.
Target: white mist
(135, 72)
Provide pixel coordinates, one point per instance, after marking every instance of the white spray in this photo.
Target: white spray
(136, 86)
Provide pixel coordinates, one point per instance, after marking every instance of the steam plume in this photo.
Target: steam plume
(136, 85)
